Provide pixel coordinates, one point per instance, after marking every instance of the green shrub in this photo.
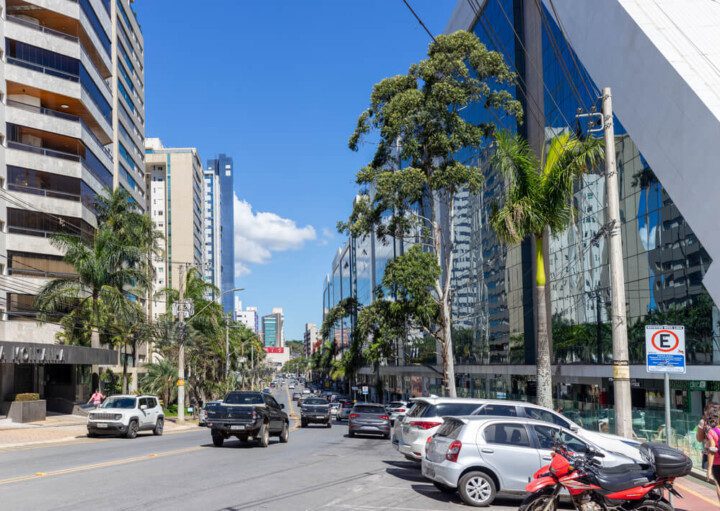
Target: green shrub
(28, 396)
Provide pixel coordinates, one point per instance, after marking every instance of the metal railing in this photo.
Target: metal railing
(43, 69)
(41, 28)
(41, 150)
(43, 192)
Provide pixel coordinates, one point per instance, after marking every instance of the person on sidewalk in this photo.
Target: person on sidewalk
(712, 441)
(711, 409)
(97, 398)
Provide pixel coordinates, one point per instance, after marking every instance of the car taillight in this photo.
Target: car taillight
(400, 410)
(425, 424)
(453, 451)
(384, 417)
(353, 416)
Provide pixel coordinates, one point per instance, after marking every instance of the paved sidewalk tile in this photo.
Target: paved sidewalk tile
(697, 496)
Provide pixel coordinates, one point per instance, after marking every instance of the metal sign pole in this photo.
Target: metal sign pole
(668, 427)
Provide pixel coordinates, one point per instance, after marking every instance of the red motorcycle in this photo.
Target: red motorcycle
(593, 487)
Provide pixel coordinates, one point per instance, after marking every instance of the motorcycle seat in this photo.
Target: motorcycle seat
(616, 479)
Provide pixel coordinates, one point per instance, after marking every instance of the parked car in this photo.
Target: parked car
(126, 416)
(424, 419)
(614, 443)
(202, 415)
(334, 409)
(367, 418)
(395, 409)
(346, 407)
(315, 410)
(480, 456)
(246, 415)
(291, 385)
(296, 396)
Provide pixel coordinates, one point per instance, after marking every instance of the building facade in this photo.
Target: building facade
(666, 188)
(248, 317)
(311, 339)
(175, 202)
(212, 269)
(272, 329)
(66, 142)
(224, 224)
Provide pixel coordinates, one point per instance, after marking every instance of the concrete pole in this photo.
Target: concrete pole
(621, 367)
(227, 345)
(181, 347)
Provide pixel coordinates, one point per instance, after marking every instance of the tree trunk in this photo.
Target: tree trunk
(124, 368)
(544, 367)
(448, 357)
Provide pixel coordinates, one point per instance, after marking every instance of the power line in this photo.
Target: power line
(420, 21)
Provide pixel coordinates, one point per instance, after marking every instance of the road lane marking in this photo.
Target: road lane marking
(103, 464)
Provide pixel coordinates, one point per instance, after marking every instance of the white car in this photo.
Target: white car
(126, 416)
(423, 420)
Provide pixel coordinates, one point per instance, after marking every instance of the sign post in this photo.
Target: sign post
(365, 391)
(665, 353)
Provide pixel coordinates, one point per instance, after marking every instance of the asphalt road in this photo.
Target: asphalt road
(318, 469)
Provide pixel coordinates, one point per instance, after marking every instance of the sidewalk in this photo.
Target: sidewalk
(57, 429)
(697, 495)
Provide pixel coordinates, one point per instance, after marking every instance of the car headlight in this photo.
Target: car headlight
(117, 416)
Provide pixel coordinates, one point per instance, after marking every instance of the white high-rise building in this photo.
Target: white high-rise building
(248, 317)
(72, 122)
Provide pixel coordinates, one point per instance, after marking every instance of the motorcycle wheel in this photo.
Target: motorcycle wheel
(655, 505)
(539, 501)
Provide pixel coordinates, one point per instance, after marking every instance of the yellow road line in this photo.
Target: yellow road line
(696, 494)
(92, 466)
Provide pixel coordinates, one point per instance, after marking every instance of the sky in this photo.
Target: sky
(278, 85)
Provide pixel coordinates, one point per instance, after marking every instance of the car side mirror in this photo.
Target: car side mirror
(282, 406)
(143, 407)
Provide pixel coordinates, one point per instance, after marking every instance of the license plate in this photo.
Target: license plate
(319, 416)
(101, 425)
(236, 428)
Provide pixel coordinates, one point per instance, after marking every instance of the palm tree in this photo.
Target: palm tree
(160, 380)
(538, 202)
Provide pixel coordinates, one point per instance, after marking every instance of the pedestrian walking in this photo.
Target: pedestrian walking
(712, 441)
(97, 398)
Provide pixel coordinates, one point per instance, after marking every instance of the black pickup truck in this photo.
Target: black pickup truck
(246, 415)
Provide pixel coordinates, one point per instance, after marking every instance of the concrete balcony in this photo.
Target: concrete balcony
(31, 157)
(33, 244)
(56, 83)
(28, 330)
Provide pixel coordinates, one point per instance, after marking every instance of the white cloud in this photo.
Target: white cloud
(259, 234)
(327, 236)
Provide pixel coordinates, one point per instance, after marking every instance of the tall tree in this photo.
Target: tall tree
(538, 203)
(418, 119)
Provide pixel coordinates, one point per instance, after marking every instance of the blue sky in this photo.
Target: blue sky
(278, 85)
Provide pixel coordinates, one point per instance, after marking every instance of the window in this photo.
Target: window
(450, 429)
(547, 437)
(546, 416)
(507, 434)
(454, 409)
(498, 410)
(142, 402)
(152, 402)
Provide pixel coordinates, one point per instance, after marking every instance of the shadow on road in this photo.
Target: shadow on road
(237, 444)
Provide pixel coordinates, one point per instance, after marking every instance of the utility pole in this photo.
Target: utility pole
(181, 347)
(621, 365)
(227, 345)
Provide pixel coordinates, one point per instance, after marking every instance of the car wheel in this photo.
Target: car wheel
(92, 435)
(351, 434)
(263, 436)
(159, 426)
(303, 424)
(328, 425)
(285, 434)
(217, 439)
(477, 489)
(386, 436)
(132, 430)
(444, 487)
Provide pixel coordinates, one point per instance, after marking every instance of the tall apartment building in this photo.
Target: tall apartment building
(223, 225)
(272, 329)
(311, 338)
(175, 185)
(62, 124)
(248, 317)
(212, 270)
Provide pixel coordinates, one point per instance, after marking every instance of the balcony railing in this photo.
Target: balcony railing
(44, 192)
(43, 69)
(62, 115)
(41, 28)
(42, 150)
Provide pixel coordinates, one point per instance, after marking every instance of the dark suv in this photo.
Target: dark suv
(315, 410)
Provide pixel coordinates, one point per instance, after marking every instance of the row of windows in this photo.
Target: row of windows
(97, 27)
(36, 223)
(50, 185)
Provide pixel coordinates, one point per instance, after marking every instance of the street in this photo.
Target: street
(318, 469)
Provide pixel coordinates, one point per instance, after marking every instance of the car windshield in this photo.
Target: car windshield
(126, 403)
(244, 399)
(396, 404)
(315, 401)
